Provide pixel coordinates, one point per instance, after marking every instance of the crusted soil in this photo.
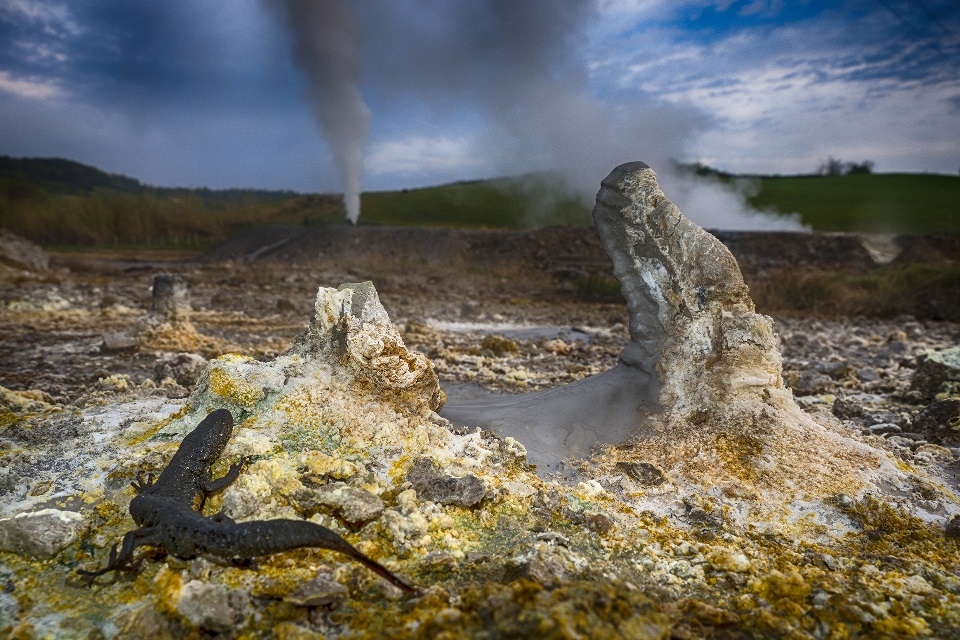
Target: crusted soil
(532, 560)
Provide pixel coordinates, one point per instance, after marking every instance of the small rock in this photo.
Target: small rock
(915, 437)
(829, 562)
(24, 402)
(9, 610)
(558, 347)
(549, 565)
(355, 506)
(847, 409)
(40, 534)
(519, 489)
(953, 527)
(643, 472)
(498, 345)
(439, 561)
(575, 516)
(708, 614)
(939, 422)
(600, 523)
(893, 417)
(868, 374)
(476, 557)
(898, 348)
(171, 297)
(118, 341)
(431, 483)
(883, 428)
(185, 368)
(917, 584)
(900, 441)
(21, 253)
(206, 605)
(702, 517)
(807, 383)
(935, 370)
(733, 561)
(554, 537)
(322, 591)
(145, 623)
(284, 305)
(836, 370)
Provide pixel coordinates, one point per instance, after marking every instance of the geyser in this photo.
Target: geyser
(326, 48)
(695, 341)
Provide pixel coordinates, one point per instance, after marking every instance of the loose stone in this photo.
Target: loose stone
(643, 472)
(322, 591)
(431, 483)
(355, 505)
(206, 605)
(953, 527)
(40, 534)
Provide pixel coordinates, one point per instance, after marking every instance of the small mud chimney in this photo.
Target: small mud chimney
(171, 297)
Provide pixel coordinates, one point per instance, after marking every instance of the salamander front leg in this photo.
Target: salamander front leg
(210, 485)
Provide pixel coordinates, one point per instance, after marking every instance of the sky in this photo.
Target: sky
(338, 95)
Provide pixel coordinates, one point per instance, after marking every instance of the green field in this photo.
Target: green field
(892, 202)
(507, 203)
(62, 204)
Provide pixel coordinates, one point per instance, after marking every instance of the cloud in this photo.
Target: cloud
(415, 155)
(29, 88)
(206, 93)
(783, 97)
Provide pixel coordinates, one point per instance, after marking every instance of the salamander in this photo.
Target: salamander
(168, 513)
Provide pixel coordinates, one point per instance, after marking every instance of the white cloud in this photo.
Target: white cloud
(54, 16)
(29, 88)
(417, 155)
(783, 99)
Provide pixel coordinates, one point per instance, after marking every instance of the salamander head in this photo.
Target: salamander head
(210, 438)
(215, 431)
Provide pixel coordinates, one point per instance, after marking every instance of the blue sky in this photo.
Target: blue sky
(207, 93)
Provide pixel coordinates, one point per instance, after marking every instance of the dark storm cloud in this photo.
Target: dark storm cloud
(206, 92)
(138, 54)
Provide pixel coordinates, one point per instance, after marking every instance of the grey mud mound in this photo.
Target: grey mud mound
(694, 337)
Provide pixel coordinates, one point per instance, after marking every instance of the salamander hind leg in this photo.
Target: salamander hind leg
(123, 560)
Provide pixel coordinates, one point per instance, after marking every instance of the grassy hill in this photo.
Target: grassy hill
(62, 203)
(891, 202)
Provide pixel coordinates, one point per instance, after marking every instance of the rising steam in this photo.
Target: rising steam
(326, 48)
(520, 69)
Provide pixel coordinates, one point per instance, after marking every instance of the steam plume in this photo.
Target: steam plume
(520, 67)
(326, 48)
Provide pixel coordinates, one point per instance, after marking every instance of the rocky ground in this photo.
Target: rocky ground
(72, 338)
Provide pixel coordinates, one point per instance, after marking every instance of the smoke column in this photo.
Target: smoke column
(326, 48)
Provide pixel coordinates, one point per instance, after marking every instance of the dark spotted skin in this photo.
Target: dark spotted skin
(168, 513)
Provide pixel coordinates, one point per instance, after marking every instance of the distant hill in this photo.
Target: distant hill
(60, 202)
(63, 176)
(54, 201)
(59, 176)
